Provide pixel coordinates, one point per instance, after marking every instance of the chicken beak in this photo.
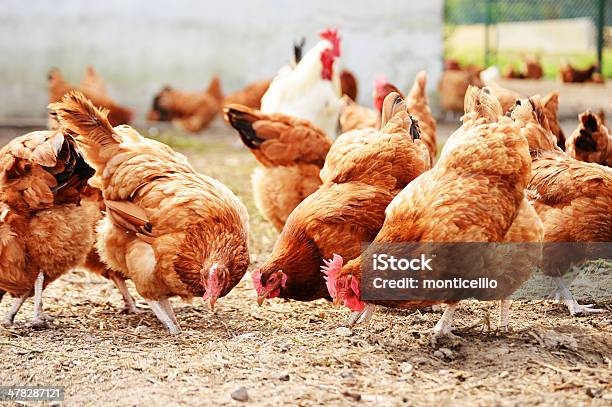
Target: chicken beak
(213, 301)
(337, 302)
(262, 298)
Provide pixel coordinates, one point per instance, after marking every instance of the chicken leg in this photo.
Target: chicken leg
(504, 315)
(444, 326)
(9, 318)
(39, 320)
(564, 295)
(163, 311)
(129, 303)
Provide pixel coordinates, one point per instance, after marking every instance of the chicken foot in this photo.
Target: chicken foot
(9, 318)
(129, 303)
(504, 315)
(163, 311)
(564, 295)
(444, 326)
(39, 320)
(359, 317)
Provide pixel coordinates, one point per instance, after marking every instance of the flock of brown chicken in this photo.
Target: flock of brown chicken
(92, 192)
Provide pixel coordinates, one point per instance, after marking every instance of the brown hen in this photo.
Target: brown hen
(172, 231)
(363, 171)
(291, 152)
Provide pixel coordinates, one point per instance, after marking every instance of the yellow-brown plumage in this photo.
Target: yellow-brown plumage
(291, 152)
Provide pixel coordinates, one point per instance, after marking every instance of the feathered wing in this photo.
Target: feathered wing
(418, 106)
(557, 180)
(12, 253)
(277, 139)
(356, 117)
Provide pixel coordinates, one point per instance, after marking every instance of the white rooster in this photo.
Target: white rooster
(311, 90)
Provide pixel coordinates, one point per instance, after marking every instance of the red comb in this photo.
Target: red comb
(379, 82)
(331, 35)
(330, 270)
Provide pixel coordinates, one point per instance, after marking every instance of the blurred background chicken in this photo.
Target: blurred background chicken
(191, 111)
(591, 141)
(363, 171)
(571, 74)
(312, 89)
(169, 229)
(531, 69)
(355, 116)
(94, 90)
(250, 96)
(92, 83)
(291, 152)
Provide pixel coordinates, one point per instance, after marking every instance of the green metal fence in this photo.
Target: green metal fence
(501, 22)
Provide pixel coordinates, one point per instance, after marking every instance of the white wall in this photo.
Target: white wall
(140, 45)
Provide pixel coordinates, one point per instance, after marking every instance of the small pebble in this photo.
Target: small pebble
(406, 367)
(343, 331)
(240, 394)
(284, 377)
(354, 396)
(592, 392)
(347, 374)
(504, 374)
(443, 353)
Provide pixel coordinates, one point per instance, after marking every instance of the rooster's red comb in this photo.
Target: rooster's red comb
(331, 35)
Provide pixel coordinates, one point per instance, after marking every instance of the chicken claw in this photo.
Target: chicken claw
(564, 295)
(130, 305)
(40, 320)
(444, 327)
(9, 318)
(359, 317)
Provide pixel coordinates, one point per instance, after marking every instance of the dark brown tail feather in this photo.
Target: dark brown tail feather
(241, 119)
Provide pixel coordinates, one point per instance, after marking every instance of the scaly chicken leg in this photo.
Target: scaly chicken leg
(504, 315)
(564, 295)
(163, 311)
(10, 316)
(444, 326)
(129, 303)
(39, 320)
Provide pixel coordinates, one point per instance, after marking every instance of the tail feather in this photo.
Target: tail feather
(420, 84)
(241, 118)
(481, 103)
(214, 89)
(94, 132)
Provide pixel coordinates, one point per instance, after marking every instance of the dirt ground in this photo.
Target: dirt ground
(291, 353)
